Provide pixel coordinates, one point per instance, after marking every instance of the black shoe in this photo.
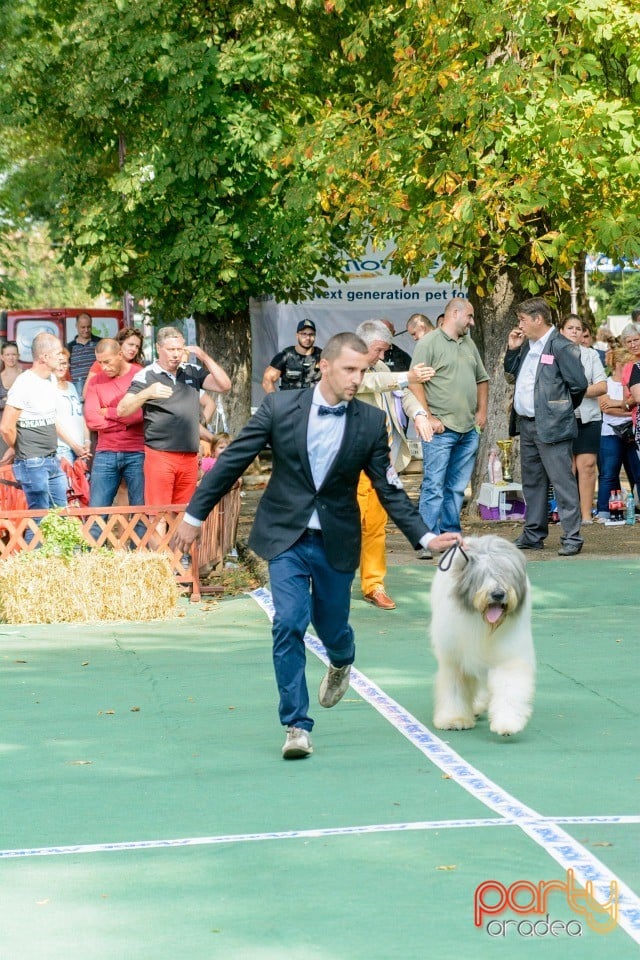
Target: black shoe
(528, 544)
(569, 549)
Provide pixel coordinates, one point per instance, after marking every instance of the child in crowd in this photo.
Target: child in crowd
(219, 443)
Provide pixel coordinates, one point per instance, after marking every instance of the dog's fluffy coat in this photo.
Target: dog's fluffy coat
(481, 637)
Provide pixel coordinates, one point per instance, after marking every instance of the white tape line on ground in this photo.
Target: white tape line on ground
(564, 849)
(245, 837)
(72, 849)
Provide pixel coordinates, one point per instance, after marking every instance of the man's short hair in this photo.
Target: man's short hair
(419, 318)
(372, 330)
(168, 333)
(83, 314)
(107, 345)
(343, 341)
(635, 315)
(457, 303)
(42, 343)
(389, 325)
(535, 307)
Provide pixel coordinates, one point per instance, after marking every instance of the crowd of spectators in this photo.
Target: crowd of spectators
(617, 431)
(606, 428)
(140, 432)
(90, 424)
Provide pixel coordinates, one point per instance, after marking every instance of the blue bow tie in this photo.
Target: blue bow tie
(336, 411)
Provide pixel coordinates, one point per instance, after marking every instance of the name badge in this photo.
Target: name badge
(547, 358)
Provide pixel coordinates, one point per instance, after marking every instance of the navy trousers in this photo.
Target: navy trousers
(307, 589)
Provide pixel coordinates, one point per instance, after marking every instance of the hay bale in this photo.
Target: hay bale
(86, 587)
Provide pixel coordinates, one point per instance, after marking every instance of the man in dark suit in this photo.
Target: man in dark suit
(549, 384)
(308, 524)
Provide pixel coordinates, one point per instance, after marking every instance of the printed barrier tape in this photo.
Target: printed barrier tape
(318, 833)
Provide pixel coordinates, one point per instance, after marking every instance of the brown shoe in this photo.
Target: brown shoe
(379, 599)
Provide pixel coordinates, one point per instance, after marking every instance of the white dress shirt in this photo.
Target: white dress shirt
(523, 400)
(324, 436)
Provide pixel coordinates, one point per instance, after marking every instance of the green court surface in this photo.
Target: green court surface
(146, 812)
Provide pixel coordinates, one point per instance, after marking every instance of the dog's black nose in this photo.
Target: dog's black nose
(498, 596)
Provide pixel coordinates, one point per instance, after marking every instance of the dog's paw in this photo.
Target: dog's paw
(506, 726)
(454, 723)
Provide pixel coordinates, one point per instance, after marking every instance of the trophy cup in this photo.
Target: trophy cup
(505, 457)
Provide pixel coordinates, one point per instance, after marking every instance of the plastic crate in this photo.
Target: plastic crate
(501, 502)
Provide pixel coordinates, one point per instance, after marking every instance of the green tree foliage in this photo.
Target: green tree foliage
(507, 136)
(626, 296)
(32, 274)
(506, 144)
(159, 123)
(489, 135)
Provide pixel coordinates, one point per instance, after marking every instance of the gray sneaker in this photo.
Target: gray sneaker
(297, 744)
(334, 685)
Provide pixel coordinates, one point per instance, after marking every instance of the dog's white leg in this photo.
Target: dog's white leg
(481, 699)
(454, 695)
(511, 690)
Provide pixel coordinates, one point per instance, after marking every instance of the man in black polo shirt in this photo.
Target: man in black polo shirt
(169, 393)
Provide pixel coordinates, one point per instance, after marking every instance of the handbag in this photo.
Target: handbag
(626, 432)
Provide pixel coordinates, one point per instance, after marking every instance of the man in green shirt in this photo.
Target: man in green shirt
(456, 402)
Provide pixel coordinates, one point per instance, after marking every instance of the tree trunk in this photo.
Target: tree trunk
(494, 318)
(228, 341)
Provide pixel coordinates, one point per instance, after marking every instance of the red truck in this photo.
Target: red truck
(23, 325)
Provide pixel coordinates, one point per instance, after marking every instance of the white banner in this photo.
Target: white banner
(370, 292)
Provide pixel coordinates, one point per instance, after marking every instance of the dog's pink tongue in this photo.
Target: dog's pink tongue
(494, 612)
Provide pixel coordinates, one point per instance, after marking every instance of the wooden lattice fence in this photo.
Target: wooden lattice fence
(129, 528)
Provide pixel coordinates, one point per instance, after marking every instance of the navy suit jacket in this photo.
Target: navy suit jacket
(291, 497)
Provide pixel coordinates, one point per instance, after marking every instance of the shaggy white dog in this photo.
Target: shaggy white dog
(481, 636)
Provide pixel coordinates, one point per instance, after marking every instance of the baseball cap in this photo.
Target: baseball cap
(304, 324)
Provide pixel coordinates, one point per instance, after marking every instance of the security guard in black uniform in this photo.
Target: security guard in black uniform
(297, 366)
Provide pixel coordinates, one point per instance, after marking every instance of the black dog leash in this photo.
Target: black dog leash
(447, 557)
